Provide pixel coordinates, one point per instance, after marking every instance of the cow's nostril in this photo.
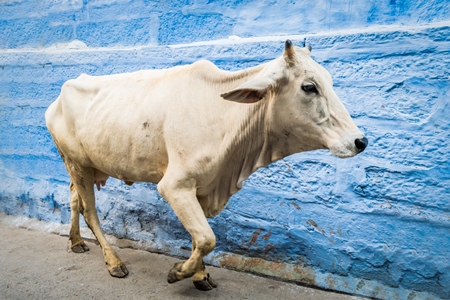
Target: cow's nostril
(361, 144)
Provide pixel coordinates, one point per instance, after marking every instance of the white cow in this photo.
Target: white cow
(198, 132)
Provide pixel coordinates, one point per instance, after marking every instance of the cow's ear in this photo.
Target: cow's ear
(251, 91)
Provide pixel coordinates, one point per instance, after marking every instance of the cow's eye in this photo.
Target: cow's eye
(309, 87)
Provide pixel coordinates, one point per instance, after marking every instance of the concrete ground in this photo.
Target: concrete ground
(37, 265)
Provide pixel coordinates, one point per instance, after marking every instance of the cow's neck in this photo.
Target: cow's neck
(244, 150)
(251, 144)
(251, 147)
(246, 146)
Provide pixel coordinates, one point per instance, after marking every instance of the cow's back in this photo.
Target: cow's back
(128, 125)
(111, 123)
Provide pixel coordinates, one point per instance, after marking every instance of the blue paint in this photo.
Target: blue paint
(113, 33)
(128, 23)
(383, 216)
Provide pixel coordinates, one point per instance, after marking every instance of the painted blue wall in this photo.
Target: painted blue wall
(101, 23)
(380, 219)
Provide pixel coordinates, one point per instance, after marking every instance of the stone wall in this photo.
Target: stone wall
(376, 225)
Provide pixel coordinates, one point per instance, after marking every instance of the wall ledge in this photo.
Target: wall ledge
(79, 46)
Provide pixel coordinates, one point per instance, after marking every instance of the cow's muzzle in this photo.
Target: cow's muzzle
(361, 144)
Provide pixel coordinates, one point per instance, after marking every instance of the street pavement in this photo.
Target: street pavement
(37, 265)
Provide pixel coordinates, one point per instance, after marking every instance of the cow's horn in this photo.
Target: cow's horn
(288, 44)
(289, 49)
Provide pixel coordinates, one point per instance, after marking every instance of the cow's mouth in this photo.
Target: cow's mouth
(349, 147)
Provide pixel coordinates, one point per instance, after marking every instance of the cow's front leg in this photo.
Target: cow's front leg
(184, 202)
(202, 280)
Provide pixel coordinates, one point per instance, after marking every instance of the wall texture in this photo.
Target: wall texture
(376, 225)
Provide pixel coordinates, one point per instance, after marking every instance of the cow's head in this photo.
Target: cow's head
(304, 112)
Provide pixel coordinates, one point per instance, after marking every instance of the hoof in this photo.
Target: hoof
(80, 248)
(118, 271)
(174, 275)
(206, 284)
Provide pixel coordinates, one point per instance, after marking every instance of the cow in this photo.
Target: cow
(197, 132)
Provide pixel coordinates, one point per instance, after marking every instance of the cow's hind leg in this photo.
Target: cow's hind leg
(77, 243)
(186, 206)
(83, 183)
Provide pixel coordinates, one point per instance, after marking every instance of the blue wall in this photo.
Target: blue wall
(101, 23)
(375, 225)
